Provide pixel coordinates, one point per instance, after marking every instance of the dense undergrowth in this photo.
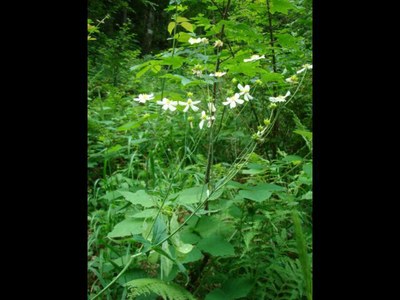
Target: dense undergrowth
(200, 154)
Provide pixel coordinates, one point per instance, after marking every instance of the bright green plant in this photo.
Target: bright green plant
(193, 194)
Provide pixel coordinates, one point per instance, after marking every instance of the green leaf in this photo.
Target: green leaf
(255, 195)
(304, 133)
(142, 71)
(191, 195)
(212, 7)
(236, 288)
(166, 263)
(260, 192)
(281, 6)
(159, 230)
(147, 213)
(130, 125)
(182, 37)
(176, 77)
(288, 41)
(189, 237)
(212, 225)
(171, 27)
(155, 68)
(244, 68)
(270, 76)
(216, 246)
(307, 168)
(181, 19)
(184, 248)
(217, 294)
(114, 149)
(145, 286)
(192, 256)
(187, 26)
(140, 197)
(269, 187)
(307, 196)
(175, 61)
(126, 228)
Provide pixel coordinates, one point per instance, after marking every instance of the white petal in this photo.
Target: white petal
(182, 103)
(201, 124)
(196, 102)
(186, 108)
(160, 102)
(203, 113)
(233, 104)
(240, 87)
(165, 106)
(240, 101)
(250, 97)
(226, 102)
(172, 108)
(287, 94)
(174, 103)
(272, 99)
(300, 71)
(195, 108)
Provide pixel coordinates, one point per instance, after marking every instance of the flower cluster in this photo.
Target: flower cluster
(142, 98)
(279, 98)
(292, 79)
(254, 58)
(234, 100)
(197, 70)
(218, 43)
(304, 67)
(217, 74)
(198, 41)
(204, 117)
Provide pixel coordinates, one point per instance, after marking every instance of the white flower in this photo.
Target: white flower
(198, 41)
(218, 43)
(233, 100)
(142, 98)
(245, 92)
(218, 74)
(279, 98)
(254, 57)
(292, 79)
(194, 41)
(168, 104)
(305, 67)
(197, 70)
(204, 118)
(189, 104)
(211, 107)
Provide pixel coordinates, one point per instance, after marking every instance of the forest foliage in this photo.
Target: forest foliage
(200, 149)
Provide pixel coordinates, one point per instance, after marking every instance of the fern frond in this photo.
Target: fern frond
(168, 291)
